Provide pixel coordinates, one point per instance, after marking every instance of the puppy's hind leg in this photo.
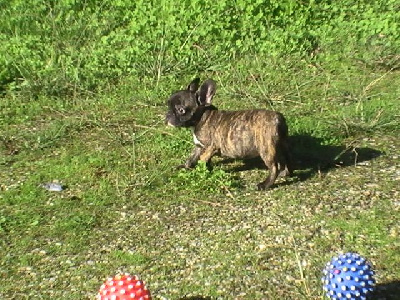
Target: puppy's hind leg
(273, 167)
(287, 158)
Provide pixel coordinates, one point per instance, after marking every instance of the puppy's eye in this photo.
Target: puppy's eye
(181, 110)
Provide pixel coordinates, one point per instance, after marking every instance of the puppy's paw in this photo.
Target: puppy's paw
(261, 186)
(285, 173)
(264, 185)
(183, 166)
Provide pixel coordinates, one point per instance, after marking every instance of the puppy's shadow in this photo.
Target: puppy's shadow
(310, 155)
(386, 291)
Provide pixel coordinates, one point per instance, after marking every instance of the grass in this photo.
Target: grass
(204, 233)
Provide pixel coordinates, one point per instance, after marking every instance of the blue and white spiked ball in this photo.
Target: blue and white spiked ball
(348, 277)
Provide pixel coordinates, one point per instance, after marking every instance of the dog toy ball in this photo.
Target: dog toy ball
(123, 287)
(348, 277)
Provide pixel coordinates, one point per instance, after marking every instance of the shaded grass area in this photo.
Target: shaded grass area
(205, 233)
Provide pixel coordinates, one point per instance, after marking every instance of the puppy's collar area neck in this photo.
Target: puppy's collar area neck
(198, 114)
(196, 141)
(204, 107)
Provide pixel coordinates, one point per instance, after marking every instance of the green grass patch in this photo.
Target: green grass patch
(204, 232)
(83, 104)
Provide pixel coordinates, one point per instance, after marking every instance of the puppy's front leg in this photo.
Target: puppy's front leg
(193, 159)
(207, 154)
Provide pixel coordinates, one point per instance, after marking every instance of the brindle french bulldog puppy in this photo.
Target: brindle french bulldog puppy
(234, 134)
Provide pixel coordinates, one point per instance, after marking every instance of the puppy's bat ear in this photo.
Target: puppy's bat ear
(207, 91)
(194, 85)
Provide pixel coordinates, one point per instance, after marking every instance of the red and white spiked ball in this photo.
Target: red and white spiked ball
(123, 287)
